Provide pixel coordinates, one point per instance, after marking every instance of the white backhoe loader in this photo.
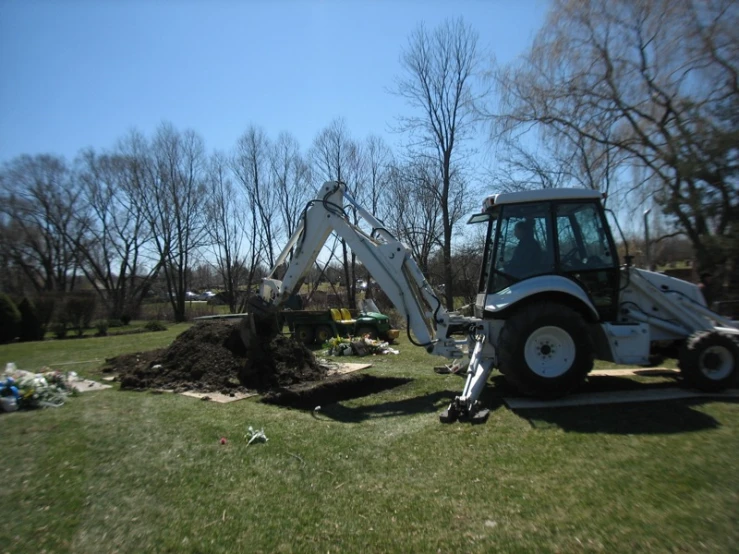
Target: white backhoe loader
(552, 298)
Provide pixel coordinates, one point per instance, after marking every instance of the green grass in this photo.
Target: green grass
(85, 354)
(132, 472)
(131, 328)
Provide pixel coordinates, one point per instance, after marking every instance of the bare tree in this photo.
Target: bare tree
(203, 274)
(653, 85)
(377, 167)
(38, 203)
(337, 157)
(112, 248)
(251, 165)
(291, 179)
(519, 167)
(229, 230)
(439, 68)
(414, 212)
(330, 152)
(13, 280)
(468, 258)
(170, 187)
(548, 163)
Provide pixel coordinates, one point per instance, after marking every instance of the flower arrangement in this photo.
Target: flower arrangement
(48, 389)
(338, 346)
(357, 346)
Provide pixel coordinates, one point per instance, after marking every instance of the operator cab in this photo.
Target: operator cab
(549, 232)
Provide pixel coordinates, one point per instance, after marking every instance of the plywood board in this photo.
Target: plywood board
(218, 397)
(343, 369)
(637, 372)
(86, 385)
(616, 397)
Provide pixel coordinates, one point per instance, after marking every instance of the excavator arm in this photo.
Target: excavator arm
(387, 259)
(391, 265)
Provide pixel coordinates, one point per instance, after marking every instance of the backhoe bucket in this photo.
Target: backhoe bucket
(260, 324)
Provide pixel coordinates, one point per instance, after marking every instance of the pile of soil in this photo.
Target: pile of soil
(212, 357)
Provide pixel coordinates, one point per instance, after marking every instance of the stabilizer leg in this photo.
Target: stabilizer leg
(466, 405)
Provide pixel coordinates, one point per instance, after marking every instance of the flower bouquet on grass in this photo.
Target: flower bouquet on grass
(357, 346)
(48, 389)
(338, 346)
(45, 390)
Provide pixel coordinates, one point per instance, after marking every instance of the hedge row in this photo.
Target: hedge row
(28, 320)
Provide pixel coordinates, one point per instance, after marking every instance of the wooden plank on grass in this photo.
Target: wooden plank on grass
(86, 385)
(637, 372)
(219, 397)
(616, 397)
(343, 369)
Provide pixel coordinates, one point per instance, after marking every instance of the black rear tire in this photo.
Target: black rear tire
(322, 334)
(304, 334)
(708, 361)
(545, 350)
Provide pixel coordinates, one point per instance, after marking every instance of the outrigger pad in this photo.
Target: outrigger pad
(448, 416)
(453, 413)
(480, 416)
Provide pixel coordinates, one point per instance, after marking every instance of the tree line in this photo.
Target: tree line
(637, 99)
(152, 208)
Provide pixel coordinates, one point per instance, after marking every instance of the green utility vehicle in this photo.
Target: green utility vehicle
(317, 326)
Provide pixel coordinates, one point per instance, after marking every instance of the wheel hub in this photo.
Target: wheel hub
(716, 362)
(711, 361)
(549, 351)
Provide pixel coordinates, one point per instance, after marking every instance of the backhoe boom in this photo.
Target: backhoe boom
(387, 259)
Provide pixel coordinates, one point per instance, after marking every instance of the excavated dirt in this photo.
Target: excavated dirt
(211, 357)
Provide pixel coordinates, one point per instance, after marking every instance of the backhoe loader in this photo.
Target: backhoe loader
(553, 296)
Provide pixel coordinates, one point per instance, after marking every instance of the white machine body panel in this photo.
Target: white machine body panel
(499, 301)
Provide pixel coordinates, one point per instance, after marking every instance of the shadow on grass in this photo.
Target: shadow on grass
(332, 391)
(639, 418)
(433, 402)
(644, 418)
(329, 396)
(427, 403)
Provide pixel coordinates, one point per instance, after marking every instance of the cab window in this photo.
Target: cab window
(583, 241)
(487, 256)
(586, 254)
(524, 247)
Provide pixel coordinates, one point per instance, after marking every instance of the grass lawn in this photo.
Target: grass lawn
(133, 472)
(86, 354)
(132, 328)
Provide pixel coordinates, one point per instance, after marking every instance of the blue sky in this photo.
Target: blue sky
(77, 74)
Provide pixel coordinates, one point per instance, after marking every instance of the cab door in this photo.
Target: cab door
(587, 254)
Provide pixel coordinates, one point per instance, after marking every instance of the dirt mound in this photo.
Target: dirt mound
(211, 357)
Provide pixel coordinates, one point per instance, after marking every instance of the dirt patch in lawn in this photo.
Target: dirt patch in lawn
(211, 357)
